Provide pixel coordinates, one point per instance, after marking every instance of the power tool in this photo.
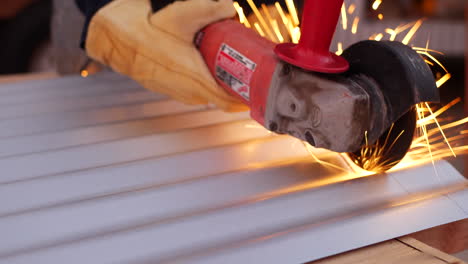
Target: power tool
(360, 103)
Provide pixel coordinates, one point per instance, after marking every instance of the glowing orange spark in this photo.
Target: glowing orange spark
(84, 73)
(427, 50)
(296, 34)
(378, 37)
(344, 17)
(439, 112)
(441, 130)
(340, 49)
(259, 29)
(261, 19)
(240, 12)
(394, 32)
(293, 12)
(443, 80)
(425, 134)
(272, 23)
(351, 9)
(281, 13)
(355, 25)
(277, 31)
(376, 4)
(413, 31)
(429, 62)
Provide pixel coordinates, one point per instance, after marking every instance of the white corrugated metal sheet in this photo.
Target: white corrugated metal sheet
(98, 170)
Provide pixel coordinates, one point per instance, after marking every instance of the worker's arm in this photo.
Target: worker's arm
(153, 44)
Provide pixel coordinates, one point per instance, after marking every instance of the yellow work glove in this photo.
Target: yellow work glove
(157, 49)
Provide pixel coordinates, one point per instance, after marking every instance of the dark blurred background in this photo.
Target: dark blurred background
(24, 33)
(434, 9)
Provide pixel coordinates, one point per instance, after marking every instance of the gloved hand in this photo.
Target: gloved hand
(157, 49)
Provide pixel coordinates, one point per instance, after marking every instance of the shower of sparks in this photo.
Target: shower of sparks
(431, 144)
(437, 137)
(372, 157)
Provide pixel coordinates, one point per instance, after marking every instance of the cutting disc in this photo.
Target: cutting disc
(390, 148)
(403, 79)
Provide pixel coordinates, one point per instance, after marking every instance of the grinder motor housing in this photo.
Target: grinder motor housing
(332, 111)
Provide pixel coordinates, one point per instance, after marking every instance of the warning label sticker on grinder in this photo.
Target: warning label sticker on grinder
(235, 70)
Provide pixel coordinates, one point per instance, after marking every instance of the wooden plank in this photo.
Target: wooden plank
(451, 238)
(418, 245)
(402, 251)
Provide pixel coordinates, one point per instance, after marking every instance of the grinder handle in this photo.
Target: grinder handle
(319, 20)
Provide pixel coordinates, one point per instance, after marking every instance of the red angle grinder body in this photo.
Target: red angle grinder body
(305, 91)
(242, 62)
